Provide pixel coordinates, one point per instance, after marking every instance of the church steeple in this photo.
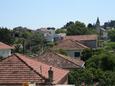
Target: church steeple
(98, 27)
(98, 22)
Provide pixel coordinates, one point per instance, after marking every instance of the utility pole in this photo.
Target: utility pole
(23, 46)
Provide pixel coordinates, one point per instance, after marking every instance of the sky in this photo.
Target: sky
(54, 13)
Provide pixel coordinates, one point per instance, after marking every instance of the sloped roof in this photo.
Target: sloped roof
(5, 46)
(82, 37)
(59, 60)
(20, 68)
(69, 44)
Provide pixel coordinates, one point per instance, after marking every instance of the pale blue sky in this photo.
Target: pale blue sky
(45, 13)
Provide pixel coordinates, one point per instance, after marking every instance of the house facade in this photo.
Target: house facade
(49, 34)
(71, 47)
(5, 50)
(90, 41)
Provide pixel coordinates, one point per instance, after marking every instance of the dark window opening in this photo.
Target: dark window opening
(77, 54)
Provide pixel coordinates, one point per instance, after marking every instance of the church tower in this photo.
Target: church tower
(98, 27)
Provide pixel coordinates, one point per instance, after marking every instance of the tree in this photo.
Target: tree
(60, 31)
(67, 25)
(111, 35)
(91, 77)
(36, 43)
(110, 24)
(6, 36)
(86, 54)
(87, 76)
(104, 61)
(109, 46)
(77, 28)
(90, 25)
(31, 42)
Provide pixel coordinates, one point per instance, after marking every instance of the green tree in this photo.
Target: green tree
(90, 25)
(6, 36)
(31, 42)
(92, 76)
(104, 61)
(67, 25)
(36, 42)
(60, 31)
(111, 35)
(86, 54)
(77, 28)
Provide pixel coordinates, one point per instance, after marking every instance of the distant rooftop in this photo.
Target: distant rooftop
(81, 37)
(69, 44)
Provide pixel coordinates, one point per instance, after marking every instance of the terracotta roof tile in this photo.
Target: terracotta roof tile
(36, 65)
(69, 44)
(5, 46)
(58, 60)
(13, 70)
(19, 68)
(82, 37)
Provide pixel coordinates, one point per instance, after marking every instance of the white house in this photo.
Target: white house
(49, 34)
(5, 50)
(71, 47)
(59, 36)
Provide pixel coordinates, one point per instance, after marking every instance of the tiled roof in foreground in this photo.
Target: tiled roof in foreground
(20, 68)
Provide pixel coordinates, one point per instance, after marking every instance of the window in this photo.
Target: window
(77, 54)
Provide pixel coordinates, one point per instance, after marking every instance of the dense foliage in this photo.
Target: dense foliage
(77, 28)
(86, 54)
(111, 35)
(104, 61)
(6, 35)
(110, 24)
(25, 40)
(99, 69)
(92, 77)
(61, 31)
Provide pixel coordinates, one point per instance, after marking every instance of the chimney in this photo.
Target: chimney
(50, 75)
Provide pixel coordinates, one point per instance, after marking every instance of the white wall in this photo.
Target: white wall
(71, 53)
(5, 52)
(49, 35)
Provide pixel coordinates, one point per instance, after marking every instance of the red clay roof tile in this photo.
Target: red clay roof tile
(69, 44)
(20, 68)
(58, 60)
(5, 46)
(82, 37)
